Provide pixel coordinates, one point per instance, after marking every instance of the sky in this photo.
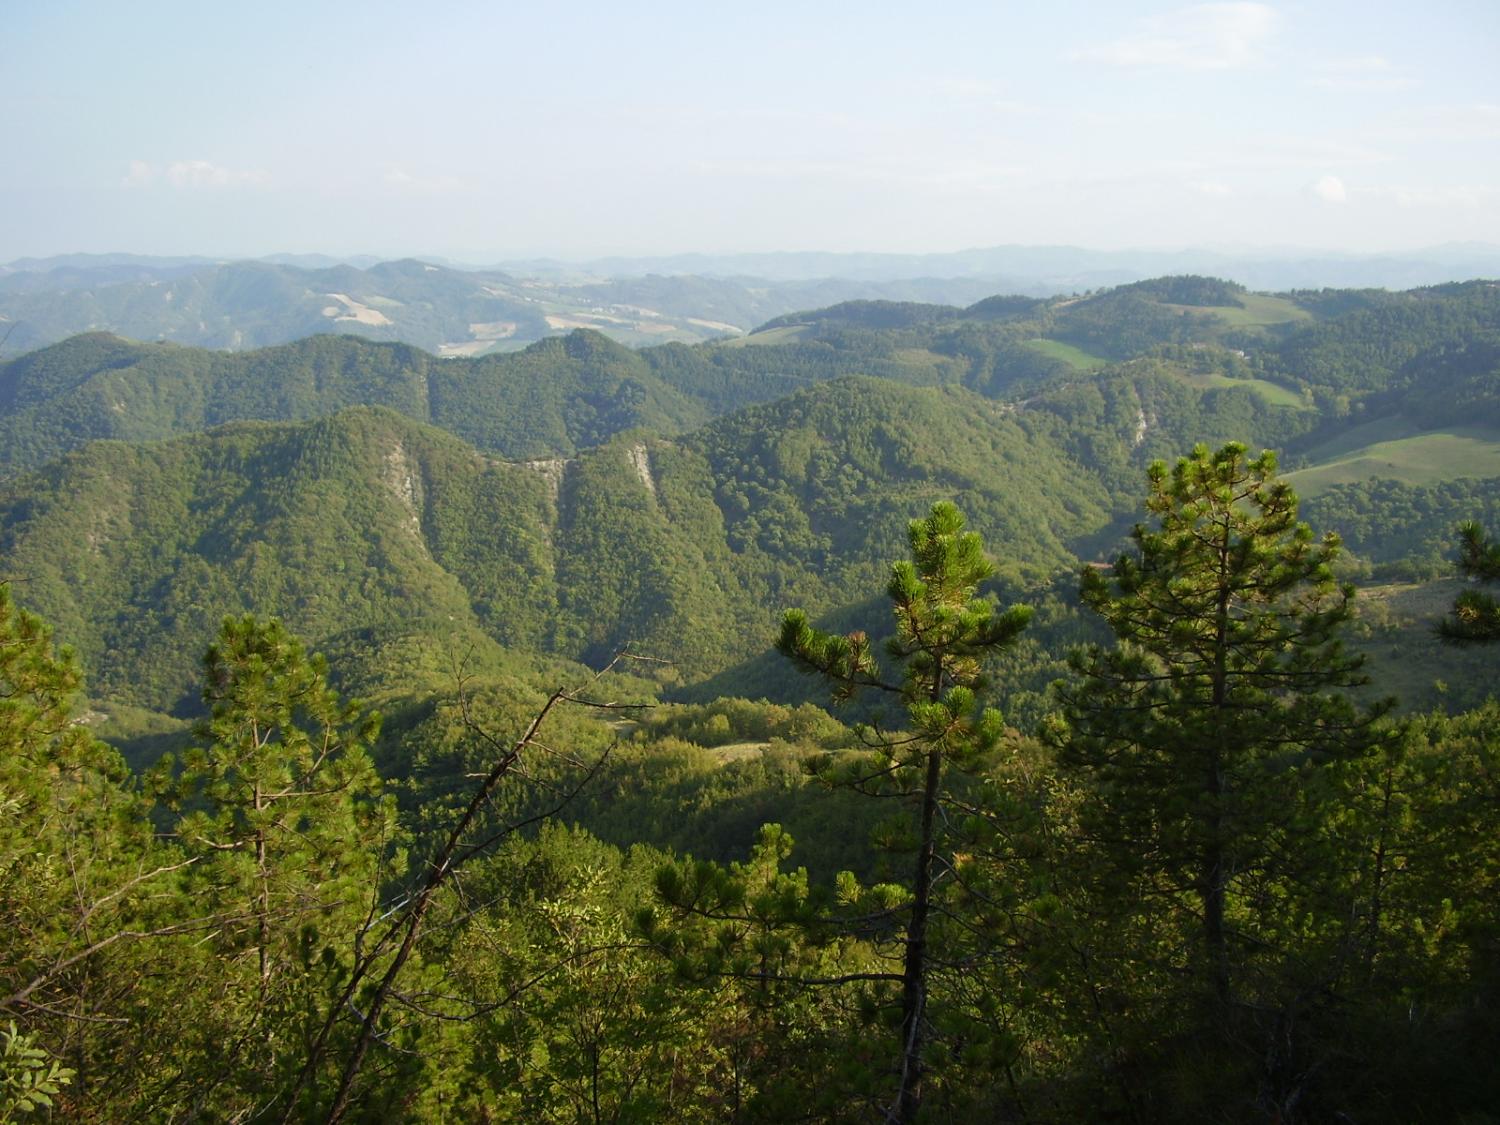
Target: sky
(483, 132)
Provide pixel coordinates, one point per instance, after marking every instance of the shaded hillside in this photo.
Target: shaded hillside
(367, 520)
(552, 399)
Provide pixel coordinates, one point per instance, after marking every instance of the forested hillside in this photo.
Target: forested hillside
(1060, 794)
(1323, 360)
(682, 549)
(553, 399)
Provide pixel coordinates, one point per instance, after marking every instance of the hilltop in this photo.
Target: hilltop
(579, 496)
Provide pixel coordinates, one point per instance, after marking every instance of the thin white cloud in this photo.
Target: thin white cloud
(1479, 121)
(1213, 161)
(1213, 189)
(978, 91)
(189, 175)
(1439, 198)
(1351, 84)
(140, 174)
(1362, 74)
(204, 174)
(1359, 64)
(958, 176)
(967, 88)
(1330, 189)
(1201, 37)
(409, 183)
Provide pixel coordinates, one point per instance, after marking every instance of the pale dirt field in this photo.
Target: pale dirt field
(353, 310)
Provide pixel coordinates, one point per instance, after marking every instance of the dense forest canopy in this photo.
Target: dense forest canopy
(554, 829)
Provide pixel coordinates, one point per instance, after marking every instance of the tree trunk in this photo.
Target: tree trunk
(1215, 874)
(914, 975)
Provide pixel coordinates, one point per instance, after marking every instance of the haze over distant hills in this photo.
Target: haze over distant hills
(456, 310)
(1049, 270)
(249, 304)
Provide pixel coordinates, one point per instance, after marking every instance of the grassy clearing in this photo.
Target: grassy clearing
(1273, 393)
(1362, 436)
(738, 751)
(1405, 657)
(1420, 459)
(784, 335)
(934, 367)
(1259, 310)
(1076, 358)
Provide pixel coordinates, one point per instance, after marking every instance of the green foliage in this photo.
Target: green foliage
(1408, 658)
(70, 831)
(745, 937)
(558, 1015)
(366, 525)
(1433, 458)
(1201, 727)
(37, 689)
(1228, 897)
(1376, 340)
(1476, 614)
(1388, 522)
(1121, 323)
(729, 720)
(29, 1078)
(284, 816)
(552, 399)
(563, 978)
(283, 761)
(1188, 289)
(1076, 358)
(943, 632)
(1216, 743)
(870, 314)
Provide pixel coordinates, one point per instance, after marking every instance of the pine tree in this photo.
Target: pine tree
(82, 886)
(1205, 731)
(943, 633)
(285, 811)
(1476, 614)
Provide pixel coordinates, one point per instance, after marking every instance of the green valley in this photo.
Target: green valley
(552, 828)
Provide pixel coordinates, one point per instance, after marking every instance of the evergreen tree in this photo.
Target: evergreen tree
(284, 808)
(1476, 614)
(81, 889)
(1211, 733)
(943, 634)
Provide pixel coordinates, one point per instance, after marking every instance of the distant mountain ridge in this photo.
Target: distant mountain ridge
(1048, 270)
(1309, 361)
(468, 311)
(557, 397)
(249, 304)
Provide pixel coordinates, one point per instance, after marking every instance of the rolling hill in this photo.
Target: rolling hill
(686, 548)
(577, 496)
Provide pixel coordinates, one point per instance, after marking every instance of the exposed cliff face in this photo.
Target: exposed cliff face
(402, 475)
(640, 459)
(554, 471)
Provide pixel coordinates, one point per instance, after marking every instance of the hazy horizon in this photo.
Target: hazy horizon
(365, 258)
(485, 134)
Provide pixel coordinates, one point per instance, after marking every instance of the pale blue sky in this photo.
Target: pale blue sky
(489, 131)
